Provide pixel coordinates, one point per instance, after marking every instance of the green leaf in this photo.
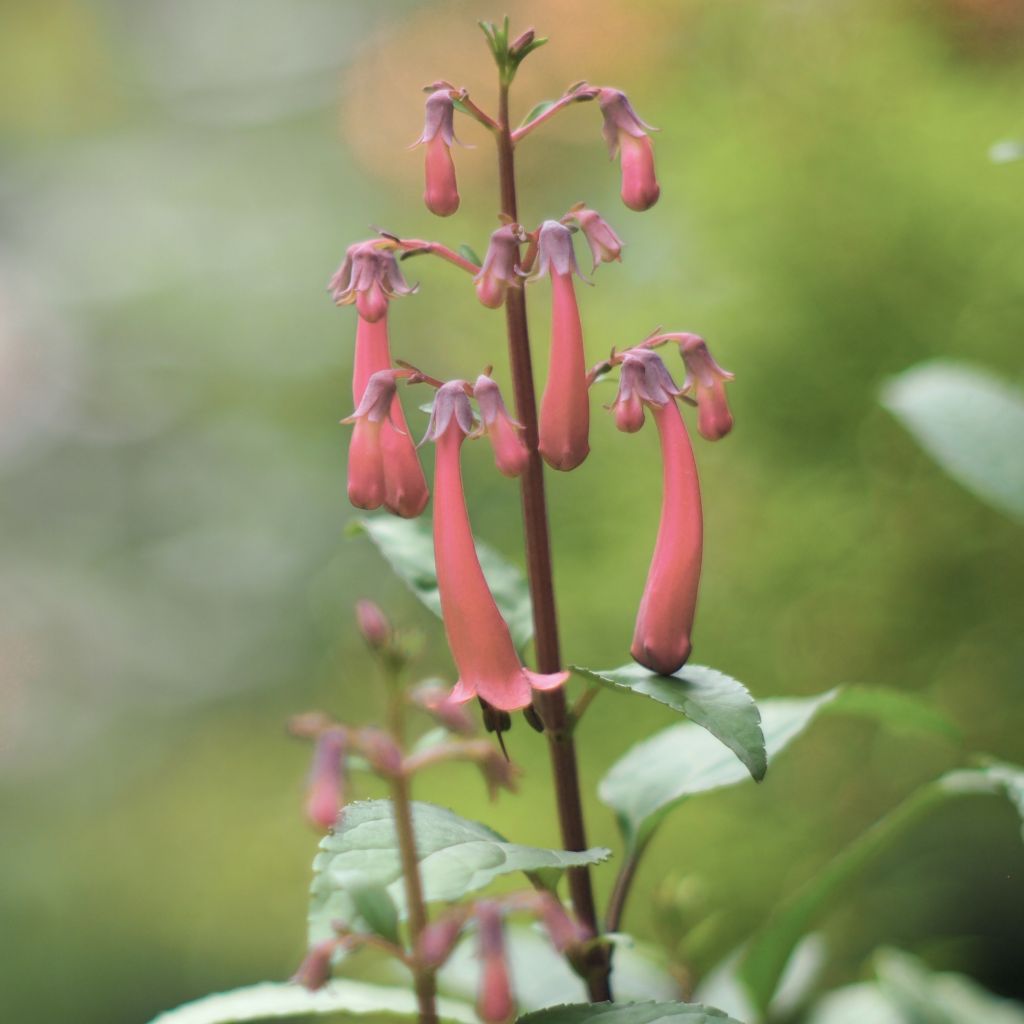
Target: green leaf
(626, 1013)
(541, 979)
(468, 252)
(770, 948)
(375, 906)
(271, 1000)
(539, 109)
(684, 760)
(408, 547)
(707, 697)
(896, 710)
(456, 857)
(971, 422)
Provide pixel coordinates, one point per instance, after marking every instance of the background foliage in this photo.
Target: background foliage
(178, 182)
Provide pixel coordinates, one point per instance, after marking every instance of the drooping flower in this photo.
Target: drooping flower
(664, 622)
(708, 379)
(478, 636)
(605, 245)
(366, 481)
(510, 454)
(441, 193)
(370, 277)
(500, 266)
(437, 702)
(627, 135)
(326, 795)
(495, 1003)
(405, 486)
(565, 407)
(438, 938)
(315, 970)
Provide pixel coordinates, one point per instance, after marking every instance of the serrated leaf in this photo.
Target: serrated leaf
(709, 698)
(408, 547)
(469, 253)
(539, 109)
(541, 979)
(770, 948)
(627, 1013)
(375, 906)
(456, 857)
(971, 422)
(273, 1000)
(683, 760)
(896, 710)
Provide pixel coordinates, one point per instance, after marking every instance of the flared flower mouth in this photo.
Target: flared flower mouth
(555, 253)
(439, 118)
(644, 376)
(605, 244)
(620, 118)
(377, 401)
(368, 265)
(451, 405)
(707, 380)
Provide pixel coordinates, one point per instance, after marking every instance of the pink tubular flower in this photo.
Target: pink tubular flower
(495, 1003)
(369, 277)
(605, 245)
(501, 263)
(478, 636)
(565, 407)
(626, 134)
(326, 795)
(510, 454)
(405, 486)
(366, 482)
(714, 420)
(442, 193)
(664, 622)
(438, 938)
(315, 970)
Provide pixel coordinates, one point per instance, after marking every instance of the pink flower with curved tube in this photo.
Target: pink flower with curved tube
(565, 406)
(605, 245)
(442, 192)
(326, 795)
(478, 636)
(495, 1003)
(664, 622)
(708, 379)
(627, 135)
(405, 486)
(501, 264)
(510, 454)
(370, 277)
(366, 481)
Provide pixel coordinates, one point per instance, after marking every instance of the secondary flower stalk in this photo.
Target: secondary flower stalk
(564, 426)
(478, 636)
(627, 135)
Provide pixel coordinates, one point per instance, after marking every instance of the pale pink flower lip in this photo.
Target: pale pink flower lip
(605, 245)
(626, 134)
(441, 193)
(478, 636)
(565, 406)
(708, 379)
(500, 270)
(664, 623)
(510, 454)
(369, 277)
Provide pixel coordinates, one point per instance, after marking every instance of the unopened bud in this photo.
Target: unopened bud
(382, 752)
(435, 700)
(373, 624)
(326, 795)
(520, 43)
(437, 940)
(315, 970)
(495, 1003)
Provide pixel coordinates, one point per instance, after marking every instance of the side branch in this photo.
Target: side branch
(575, 94)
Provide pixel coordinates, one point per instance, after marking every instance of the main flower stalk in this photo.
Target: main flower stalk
(551, 705)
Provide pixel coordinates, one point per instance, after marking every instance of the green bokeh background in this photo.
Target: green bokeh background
(178, 182)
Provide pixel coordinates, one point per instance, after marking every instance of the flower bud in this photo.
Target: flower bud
(441, 194)
(437, 940)
(373, 625)
(315, 970)
(381, 751)
(510, 454)
(326, 793)
(495, 1003)
(437, 703)
(626, 134)
(605, 245)
(500, 267)
(714, 420)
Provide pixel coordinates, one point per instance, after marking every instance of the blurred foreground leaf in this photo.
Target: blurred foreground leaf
(408, 547)
(456, 857)
(769, 950)
(626, 1013)
(273, 1000)
(656, 774)
(1006, 151)
(897, 710)
(971, 422)
(708, 698)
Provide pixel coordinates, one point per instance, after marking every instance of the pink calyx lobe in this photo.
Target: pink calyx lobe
(478, 636)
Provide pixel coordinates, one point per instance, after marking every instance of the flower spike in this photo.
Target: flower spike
(510, 454)
(478, 636)
(501, 265)
(627, 135)
(565, 406)
(605, 245)
(708, 379)
(442, 193)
